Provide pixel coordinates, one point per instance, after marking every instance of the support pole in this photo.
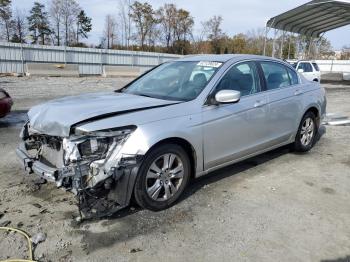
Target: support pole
(309, 49)
(274, 43)
(317, 45)
(101, 62)
(289, 45)
(265, 41)
(65, 54)
(282, 45)
(22, 60)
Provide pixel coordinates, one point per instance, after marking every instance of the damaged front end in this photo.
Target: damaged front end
(89, 164)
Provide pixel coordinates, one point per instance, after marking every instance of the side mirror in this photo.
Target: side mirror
(227, 96)
(300, 70)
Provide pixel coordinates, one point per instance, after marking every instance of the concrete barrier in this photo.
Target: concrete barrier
(49, 69)
(346, 76)
(332, 77)
(121, 71)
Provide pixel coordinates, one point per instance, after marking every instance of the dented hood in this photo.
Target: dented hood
(56, 117)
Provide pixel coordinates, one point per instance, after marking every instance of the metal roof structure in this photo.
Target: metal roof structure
(313, 18)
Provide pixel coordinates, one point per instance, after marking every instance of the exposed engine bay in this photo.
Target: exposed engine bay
(87, 164)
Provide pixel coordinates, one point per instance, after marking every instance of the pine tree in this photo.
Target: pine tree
(84, 25)
(38, 23)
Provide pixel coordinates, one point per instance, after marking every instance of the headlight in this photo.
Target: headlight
(97, 144)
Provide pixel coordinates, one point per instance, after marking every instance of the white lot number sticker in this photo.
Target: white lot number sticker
(209, 64)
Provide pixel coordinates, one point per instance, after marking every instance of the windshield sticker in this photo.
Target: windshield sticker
(209, 64)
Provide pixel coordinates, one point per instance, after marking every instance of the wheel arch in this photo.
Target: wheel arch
(314, 109)
(187, 146)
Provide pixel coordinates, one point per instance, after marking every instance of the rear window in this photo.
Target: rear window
(316, 66)
(276, 75)
(293, 76)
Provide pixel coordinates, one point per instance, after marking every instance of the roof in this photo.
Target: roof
(221, 58)
(313, 18)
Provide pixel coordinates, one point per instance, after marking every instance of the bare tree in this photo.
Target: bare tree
(6, 17)
(110, 31)
(215, 33)
(19, 27)
(153, 37)
(144, 17)
(256, 38)
(56, 18)
(184, 25)
(69, 13)
(124, 20)
(213, 26)
(168, 18)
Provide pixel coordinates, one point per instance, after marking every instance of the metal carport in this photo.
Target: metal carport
(312, 19)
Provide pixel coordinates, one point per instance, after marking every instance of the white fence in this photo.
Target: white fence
(91, 61)
(334, 66)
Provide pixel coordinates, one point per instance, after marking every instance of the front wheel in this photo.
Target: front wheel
(163, 176)
(305, 138)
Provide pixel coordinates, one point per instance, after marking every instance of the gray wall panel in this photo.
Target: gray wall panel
(90, 60)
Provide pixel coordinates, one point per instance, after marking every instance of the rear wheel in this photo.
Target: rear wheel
(305, 138)
(163, 176)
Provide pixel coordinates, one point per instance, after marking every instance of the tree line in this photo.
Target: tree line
(63, 22)
(139, 26)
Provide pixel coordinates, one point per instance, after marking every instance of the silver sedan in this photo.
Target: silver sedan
(182, 119)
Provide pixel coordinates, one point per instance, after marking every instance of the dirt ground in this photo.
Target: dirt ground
(279, 206)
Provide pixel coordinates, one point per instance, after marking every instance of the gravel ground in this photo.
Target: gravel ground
(279, 206)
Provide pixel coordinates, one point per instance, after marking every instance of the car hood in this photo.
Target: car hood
(56, 117)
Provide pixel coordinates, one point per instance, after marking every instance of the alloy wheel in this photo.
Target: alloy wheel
(164, 177)
(307, 132)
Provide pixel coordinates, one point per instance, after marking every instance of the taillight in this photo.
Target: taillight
(3, 94)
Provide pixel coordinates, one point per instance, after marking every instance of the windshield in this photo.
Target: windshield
(179, 81)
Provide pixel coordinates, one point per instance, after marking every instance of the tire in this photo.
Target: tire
(160, 181)
(308, 129)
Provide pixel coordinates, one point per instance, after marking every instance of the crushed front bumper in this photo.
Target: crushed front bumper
(108, 198)
(31, 165)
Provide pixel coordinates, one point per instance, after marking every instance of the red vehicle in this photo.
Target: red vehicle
(5, 103)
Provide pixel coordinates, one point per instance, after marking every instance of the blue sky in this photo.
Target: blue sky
(239, 16)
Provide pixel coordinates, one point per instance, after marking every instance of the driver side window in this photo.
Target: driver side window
(242, 77)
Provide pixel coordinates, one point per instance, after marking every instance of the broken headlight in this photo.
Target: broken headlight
(98, 143)
(94, 145)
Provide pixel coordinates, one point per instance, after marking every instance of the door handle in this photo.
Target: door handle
(298, 92)
(260, 103)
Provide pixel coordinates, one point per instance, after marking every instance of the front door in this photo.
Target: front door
(308, 70)
(232, 131)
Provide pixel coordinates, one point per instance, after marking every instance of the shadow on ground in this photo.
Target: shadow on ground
(343, 259)
(15, 118)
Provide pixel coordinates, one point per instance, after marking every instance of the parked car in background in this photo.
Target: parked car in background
(181, 120)
(5, 103)
(310, 70)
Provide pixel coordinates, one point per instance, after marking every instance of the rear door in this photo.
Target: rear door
(284, 104)
(317, 73)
